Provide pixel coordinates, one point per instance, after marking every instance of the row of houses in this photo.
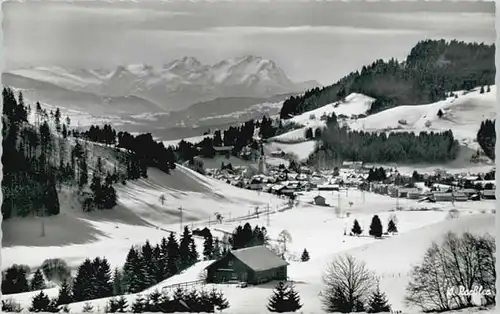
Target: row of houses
(438, 195)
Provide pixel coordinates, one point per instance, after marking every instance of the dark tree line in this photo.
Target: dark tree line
(30, 171)
(486, 137)
(432, 68)
(181, 301)
(149, 265)
(147, 151)
(105, 135)
(376, 174)
(244, 236)
(340, 143)
(236, 137)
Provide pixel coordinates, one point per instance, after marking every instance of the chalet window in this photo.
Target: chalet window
(230, 263)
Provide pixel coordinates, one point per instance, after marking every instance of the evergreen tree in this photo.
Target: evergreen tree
(192, 300)
(139, 305)
(149, 265)
(208, 246)
(193, 253)
(40, 303)
(121, 304)
(218, 300)
(356, 228)
(38, 282)
(113, 306)
(391, 227)
(118, 284)
(292, 300)
(178, 300)
(376, 227)
(14, 280)
(87, 307)
(184, 249)
(305, 256)
(65, 296)
(308, 133)
(173, 256)
(133, 275)
(83, 285)
(278, 301)
(378, 302)
(102, 277)
(440, 113)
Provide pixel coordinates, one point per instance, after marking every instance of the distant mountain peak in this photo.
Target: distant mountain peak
(180, 83)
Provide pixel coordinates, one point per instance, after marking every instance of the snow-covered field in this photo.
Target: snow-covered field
(318, 229)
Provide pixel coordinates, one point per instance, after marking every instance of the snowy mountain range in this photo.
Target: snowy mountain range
(171, 87)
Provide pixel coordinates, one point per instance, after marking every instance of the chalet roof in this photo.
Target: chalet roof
(223, 148)
(318, 197)
(259, 258)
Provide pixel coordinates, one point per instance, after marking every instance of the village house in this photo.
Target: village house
(328, 187)
(442, 197)
(254, 265)
(460, 197)
(489, 194)
(319, 200)
(356, 165)
(223, 150)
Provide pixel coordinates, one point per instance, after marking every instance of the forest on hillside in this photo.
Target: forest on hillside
(486, 138)
(43, 155)
(338, 143)
(432, 69)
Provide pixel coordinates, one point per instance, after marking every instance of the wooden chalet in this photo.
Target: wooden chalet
(254, 265)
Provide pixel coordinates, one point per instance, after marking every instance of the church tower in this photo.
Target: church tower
(262, 160)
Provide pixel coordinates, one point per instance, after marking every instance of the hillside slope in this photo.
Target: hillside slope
(462, 114)
(136, 218)
(431, 68)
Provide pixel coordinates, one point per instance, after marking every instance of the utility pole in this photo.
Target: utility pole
(397, 199)
(338, 199)
(180, 208)
(268, 223)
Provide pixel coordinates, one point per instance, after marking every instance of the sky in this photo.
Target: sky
(309, 40)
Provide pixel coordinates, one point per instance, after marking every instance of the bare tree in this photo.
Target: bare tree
(348, 285)
(466, 262)
(284, 237)
(427, 289)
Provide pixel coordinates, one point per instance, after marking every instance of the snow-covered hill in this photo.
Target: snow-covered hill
(175, 85)
(353, 105)
(139, 212)
(463, 115)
